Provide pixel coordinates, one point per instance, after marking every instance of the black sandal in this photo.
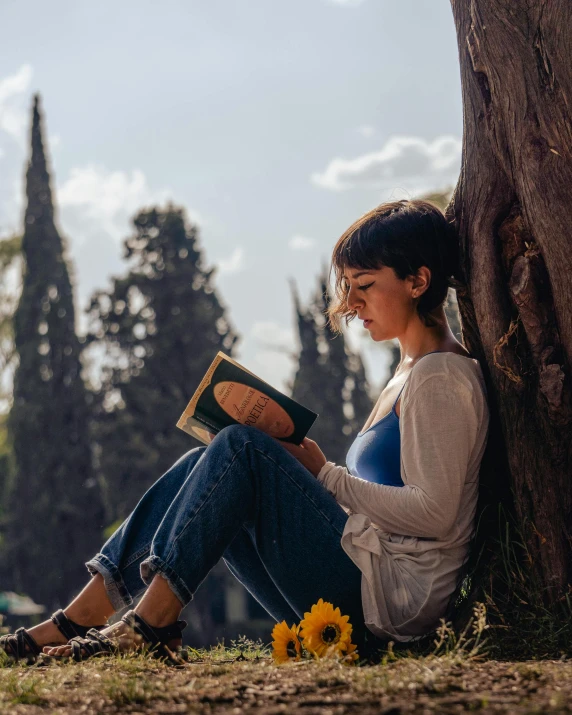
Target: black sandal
(155, 640)
(21, 644)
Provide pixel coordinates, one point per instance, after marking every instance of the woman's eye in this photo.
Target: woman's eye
(365, 287)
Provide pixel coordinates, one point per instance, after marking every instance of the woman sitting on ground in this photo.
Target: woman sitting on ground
(385, 540)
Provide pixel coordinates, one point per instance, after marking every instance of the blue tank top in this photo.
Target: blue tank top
(375, 455)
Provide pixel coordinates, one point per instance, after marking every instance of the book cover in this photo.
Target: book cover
(230, 394)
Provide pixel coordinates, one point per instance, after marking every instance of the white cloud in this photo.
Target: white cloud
(96, 206)
(273, 367)
(104, 200)
(233, 264)
(366, 130)
(269, 333)
(408, 162)
(300, 243)
(13, 102)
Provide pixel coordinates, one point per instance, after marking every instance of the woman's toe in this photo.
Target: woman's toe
(56, 650)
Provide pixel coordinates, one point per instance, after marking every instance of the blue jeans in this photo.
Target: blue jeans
(248, 500)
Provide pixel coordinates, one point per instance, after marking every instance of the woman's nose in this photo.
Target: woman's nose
(353, 298)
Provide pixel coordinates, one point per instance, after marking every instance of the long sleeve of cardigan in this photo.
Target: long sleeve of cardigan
(438, 425)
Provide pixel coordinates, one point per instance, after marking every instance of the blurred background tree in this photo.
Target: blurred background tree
(154, 333)
(53, 521)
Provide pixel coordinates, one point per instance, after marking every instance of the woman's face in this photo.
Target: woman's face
(383, 301)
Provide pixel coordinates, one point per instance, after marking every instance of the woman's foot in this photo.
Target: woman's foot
(90, 609)
(28, 642)
(154, 618)
(123, 637)
(42, 634)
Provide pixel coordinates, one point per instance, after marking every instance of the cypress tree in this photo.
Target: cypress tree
(54, 520)
(330, 378)
(302, 386)
(158, 328)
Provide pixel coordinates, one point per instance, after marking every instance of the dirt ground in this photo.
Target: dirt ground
(422, 685)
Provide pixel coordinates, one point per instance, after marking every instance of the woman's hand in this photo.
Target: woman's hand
(308, 454)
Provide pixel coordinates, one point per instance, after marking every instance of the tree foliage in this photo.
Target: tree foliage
(53, 523)
(154, 333)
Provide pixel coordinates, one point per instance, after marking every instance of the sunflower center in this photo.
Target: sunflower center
(331, 633)
(291, 649)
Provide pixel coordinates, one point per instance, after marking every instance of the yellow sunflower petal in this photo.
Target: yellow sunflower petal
(285, 643)
(324, 631)
(329, 611)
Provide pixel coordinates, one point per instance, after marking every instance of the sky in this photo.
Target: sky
(275, 124)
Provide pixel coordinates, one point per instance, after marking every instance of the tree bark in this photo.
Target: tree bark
(513, 210)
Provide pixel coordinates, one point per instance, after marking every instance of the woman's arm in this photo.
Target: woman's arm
(439, 423)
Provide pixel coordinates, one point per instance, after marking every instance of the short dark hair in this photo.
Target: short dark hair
(403, 235)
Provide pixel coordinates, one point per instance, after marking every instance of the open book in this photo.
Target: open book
(230, 394)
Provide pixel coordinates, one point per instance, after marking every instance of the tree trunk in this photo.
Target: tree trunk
(513, 211)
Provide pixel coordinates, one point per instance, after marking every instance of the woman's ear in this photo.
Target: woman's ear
(421, 282)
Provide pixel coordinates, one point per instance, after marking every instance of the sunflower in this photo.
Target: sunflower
(324, 631)
(285, 643)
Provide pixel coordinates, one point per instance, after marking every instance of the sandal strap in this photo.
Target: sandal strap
(94, 643)
(14, 644)
(21, 644)
(68, 628)
(154, 635)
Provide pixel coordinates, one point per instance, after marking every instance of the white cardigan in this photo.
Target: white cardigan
(410, 542)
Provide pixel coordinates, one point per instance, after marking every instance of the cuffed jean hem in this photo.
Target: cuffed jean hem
(117, 592)
(153, 565)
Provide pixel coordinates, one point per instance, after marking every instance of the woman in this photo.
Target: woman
(384, 541)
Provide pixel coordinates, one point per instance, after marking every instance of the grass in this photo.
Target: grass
(22, 687)
(123, 690)
(510, 656)
(523, 624)
(455, 675)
